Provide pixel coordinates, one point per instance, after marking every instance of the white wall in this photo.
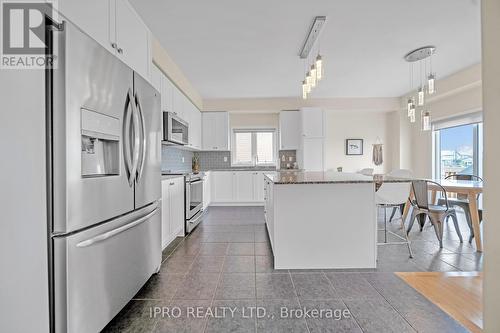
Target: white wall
(23, 234)
(457, 94)
(341, 125)
(491, 100)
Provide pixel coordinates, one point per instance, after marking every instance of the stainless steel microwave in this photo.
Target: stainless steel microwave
(175, 130)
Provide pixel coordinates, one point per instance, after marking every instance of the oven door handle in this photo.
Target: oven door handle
(196, 181)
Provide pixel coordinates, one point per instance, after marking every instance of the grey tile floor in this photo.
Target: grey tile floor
(226, 265)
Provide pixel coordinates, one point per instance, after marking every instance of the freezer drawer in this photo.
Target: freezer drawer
(97, 271)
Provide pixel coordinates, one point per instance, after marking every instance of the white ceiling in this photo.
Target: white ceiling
(247, 49)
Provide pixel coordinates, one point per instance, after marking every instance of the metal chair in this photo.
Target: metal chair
(462, 201)
(393, 195)
(437, 214)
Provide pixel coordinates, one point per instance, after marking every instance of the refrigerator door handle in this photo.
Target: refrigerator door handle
(114, 232)
(143, 139)
(127, 119)
(136, 149)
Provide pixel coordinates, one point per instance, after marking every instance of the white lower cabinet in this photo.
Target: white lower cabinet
(269, 209)
(237, 187)
(172, 209)
(207, 188)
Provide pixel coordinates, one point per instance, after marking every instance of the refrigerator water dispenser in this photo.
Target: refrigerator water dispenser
(100, 144)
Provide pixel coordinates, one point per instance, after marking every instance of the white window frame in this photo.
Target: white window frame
(477, 148)
(253, 130)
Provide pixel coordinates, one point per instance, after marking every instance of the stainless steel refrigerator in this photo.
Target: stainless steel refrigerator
(104, 152)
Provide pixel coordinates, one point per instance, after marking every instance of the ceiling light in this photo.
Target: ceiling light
(315, 72)
(421, 56)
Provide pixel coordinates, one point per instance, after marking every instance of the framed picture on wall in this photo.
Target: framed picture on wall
(354, 146)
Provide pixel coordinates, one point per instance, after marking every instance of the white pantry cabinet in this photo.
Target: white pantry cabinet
(215, 131)
(311, 152)
(172, 213)
(312, 122)
(290, 130)
(92, 16)
(132, 38)
(116, 26)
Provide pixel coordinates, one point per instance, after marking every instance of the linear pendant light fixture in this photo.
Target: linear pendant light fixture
(314, 72)
(421, 56)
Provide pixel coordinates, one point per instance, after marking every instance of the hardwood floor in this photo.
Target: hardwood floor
(459, 294)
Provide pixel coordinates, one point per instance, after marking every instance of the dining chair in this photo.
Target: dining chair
(437, 214)
(366, 171)
(462, 201)
(391, 195)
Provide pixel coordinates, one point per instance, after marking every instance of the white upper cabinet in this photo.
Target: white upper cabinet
(215, 131)
(132, 38)
(178, 103)
(167, 94)
(312, 121)
(92, 16)
(193, 117)
(116, 26)
(289, 130)
(156, 78)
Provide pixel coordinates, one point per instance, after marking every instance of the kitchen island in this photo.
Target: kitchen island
(321, 220)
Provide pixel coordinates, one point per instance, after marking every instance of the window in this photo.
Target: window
(254, 147)
(458, 149)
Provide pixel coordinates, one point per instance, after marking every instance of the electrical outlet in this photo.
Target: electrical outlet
(225, 158)
(182, 159)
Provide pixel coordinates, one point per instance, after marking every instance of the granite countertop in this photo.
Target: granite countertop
(312, 177)
(270, 169)
(165, 177)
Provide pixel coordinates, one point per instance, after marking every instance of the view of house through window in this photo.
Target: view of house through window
(253, 147)
(458, 150)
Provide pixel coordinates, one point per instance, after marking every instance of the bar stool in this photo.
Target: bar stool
(391, 195)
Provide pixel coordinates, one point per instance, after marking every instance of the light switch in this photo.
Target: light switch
(290, 158)
(225, 158)
(182, 159)
(283, 158)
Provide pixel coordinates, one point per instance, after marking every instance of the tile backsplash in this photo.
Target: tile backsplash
(171, 159)
(287, 158)
(210, 160)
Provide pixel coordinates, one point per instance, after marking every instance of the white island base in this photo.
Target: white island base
(324, 225)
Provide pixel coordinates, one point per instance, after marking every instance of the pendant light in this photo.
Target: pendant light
(430, 84)
(425, 120)
(319, 67)
(304, 89)
(313, 76)
(426, 85)
(420, 96)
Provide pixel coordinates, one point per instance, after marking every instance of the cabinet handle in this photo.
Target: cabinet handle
(172, 184)
(120, 50)
(114, 45)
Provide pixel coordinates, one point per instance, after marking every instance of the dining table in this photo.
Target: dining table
(469, 188)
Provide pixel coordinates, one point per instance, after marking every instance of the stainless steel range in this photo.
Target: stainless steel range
(194, 200)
